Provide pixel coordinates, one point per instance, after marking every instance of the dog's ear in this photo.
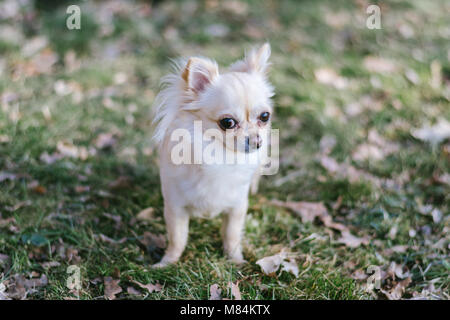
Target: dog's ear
(199, 73)
(257, 60)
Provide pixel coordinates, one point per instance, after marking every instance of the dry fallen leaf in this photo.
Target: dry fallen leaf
(290, 266)
(434, 134)
(215, 292)
(111, 288)
(308, 211)
(50, 264)
(379, 64)
(347, 171)
(109, 240)
(50, 158)
(359, 275)
(398, 290)
(3, 258)
(105, 140)
(19, 287)
(146, 214)
(329, 77)
(132, 291)
(395, 271)
(152, 240)
(149, 287)
(234, 287)
(69, 150)
(351, 241)
(271, 264)
(116, 218)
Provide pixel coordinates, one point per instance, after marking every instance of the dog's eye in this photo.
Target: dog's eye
(227, 123)
(264, 117)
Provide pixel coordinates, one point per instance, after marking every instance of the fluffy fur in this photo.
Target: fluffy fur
(197, 91)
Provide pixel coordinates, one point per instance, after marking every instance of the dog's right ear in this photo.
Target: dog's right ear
(257, 60)
(199, 73)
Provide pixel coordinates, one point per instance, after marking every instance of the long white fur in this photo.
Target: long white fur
(202, 190)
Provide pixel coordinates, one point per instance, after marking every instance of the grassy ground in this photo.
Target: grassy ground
(77, 164)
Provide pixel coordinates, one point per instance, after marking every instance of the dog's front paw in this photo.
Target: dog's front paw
(160, 265)
(237, 259)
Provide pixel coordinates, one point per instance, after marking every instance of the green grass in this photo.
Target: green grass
(303, 38)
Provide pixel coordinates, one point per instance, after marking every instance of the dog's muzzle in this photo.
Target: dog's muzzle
(252, 143)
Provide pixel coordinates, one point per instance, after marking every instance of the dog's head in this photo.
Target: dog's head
(236, 102)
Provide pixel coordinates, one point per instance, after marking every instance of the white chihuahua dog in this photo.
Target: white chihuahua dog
(237, 104)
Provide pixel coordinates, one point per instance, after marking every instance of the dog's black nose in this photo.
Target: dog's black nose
(258, 142)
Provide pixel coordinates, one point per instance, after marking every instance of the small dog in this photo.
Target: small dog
(237, 104)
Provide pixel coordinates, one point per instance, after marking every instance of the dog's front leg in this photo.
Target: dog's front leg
(232, 229)
(177, 224)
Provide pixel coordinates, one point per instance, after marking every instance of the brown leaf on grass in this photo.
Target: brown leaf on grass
(111, 288)
(395, 249)
(235, 292)
(67, 149)
(105, 140)
(330, 77)
(116, 218)
(351, 241)
(82, 189)
(347, 171)
(19, 287)
(290, 265)
(109, 240)
(50, 264)
(327, 143)
(6, 222)
(367, 151)
(379, 64)
(5, 262)
(215, 292)
(433, 134)
(134, 292)
(149, 287)
(121, 182)
(308, 211)
(50, 158)
(71, 254)
(36, 187)
(359, 275)
(443, 179)
(271, 264)
(146, 214)
(396, 270)
(3, 258)
(7, 176)
(398, 290)
(152, 240)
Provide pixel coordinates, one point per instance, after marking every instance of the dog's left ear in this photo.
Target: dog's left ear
(257, 60)
(199, 73)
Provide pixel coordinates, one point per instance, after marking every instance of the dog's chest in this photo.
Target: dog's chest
(211, 190)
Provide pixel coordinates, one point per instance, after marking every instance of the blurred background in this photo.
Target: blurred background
(364, 127)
